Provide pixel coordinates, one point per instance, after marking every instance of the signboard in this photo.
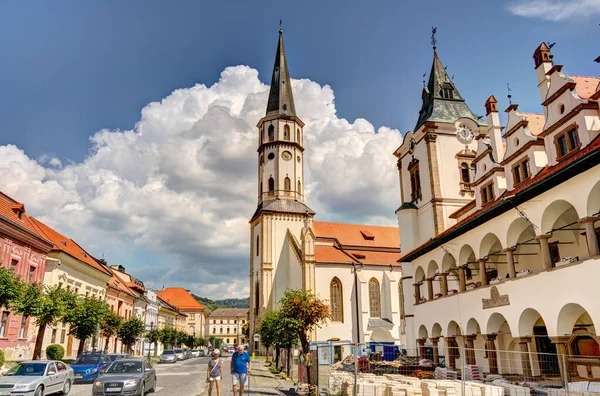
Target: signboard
(257, 337)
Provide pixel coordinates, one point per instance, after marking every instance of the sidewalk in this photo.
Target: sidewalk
(261, 382)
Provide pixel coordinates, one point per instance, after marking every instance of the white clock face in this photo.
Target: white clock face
(286, 155)
(465, 135)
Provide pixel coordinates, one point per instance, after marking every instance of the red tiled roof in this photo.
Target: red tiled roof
(67, 245)
(180, 298)
(535, 122)
(545, 172)
(9, 209)
(359, 234)
(332, 254)
(585, 87)
(117, 284)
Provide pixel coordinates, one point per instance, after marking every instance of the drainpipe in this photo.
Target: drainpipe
(356, 307)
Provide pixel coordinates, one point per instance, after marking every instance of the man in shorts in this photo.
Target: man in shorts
(240, 368)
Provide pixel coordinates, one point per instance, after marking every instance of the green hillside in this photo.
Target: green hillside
(211, 305)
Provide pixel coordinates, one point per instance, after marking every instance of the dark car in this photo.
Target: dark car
(118, 356)
(126, 377)
(88, 366)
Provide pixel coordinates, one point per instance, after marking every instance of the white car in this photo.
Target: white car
(195, 353)
(37, 378)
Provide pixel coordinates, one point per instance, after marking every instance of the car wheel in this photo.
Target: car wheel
(66, 387)
(142, 390)
(151, 390)
(39, 391)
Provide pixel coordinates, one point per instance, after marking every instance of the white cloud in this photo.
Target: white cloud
(182, 184)
(555, 10)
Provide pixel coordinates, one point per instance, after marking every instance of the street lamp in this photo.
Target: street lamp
(151, 328)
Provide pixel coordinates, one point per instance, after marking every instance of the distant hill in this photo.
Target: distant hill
(211, 305)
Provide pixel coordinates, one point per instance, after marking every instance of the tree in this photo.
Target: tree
(85, 318)
(108, 328)
(215, 341)
(153, 337)
(47, 305)
(130, 331)
(182, 338)
(267, 331)
(303, 311)
(10, 287)
(200, 342)
(167, 336)
(246, 330)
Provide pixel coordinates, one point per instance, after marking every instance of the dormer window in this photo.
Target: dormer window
(521, 171)
(566, 142)
(447, 92)
(487, 193)
(367, 235)
(18, 209)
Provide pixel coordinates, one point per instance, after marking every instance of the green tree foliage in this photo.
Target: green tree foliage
(182, 338)
(109, 326)
(55, 352)
(85, 318)
(10, 287)
(153, 337)
(167, 336)
(200, 342)
(130, 331)
(1, 357)
(47, 305)
(303, 311)
(279, 332)
(215, 342)
(211, 305)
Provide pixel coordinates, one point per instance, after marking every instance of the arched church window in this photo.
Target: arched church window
(271, 133)
(299, 187)
(374, 298)
(286, 132)
(271, 186)
(473, 171)
(298, 136)
(464, 172)
(257, 245)
(287, 184)
(336, 300)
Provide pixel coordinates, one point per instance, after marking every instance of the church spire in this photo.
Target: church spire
(281, 100)
(441, 100)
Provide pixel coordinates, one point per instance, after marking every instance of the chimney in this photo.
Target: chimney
(495, 129)
(543, 63)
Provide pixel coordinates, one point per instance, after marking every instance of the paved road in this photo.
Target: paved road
(186, 378)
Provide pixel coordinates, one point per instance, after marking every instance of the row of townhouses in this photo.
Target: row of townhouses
(38, 253)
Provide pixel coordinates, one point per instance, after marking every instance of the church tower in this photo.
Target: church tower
(282, 222)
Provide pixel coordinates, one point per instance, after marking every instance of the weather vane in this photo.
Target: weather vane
(280, 29)
(433, 39)
(550, 45)
(509, 94)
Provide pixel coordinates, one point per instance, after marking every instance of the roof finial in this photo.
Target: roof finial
(550, 45)
(433, 39)
(280, 28)
(509, 96)
(424, 74)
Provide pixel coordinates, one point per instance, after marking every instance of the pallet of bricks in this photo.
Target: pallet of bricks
(582, 388)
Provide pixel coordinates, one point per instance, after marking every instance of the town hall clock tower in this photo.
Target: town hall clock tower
(281, 229)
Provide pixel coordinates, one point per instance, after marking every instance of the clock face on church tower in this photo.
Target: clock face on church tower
(286, 155)
(465, 135)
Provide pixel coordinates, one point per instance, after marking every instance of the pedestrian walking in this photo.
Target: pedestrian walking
(240, 369)
(214, 371)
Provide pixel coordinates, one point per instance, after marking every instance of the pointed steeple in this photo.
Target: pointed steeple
(441, 100)
(281, 100)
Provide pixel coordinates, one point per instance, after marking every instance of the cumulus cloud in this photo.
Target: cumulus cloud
(555, 10)
(181, 186)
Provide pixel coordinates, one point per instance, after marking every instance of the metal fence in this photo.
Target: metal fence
(344, 368)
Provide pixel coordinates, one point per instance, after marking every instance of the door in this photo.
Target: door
(63, 373)
(548, 358)
(53, 383)
(70, 345)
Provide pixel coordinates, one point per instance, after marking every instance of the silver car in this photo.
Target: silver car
(37, 378)
(168, 356)
(126, 377)
(180, 354)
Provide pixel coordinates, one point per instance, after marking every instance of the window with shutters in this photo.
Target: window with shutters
(374, 298)
(336, 299)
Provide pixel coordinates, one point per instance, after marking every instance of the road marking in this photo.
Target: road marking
(169, 374)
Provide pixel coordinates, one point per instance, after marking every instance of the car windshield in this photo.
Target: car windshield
(124, 367)
(116, 357)
(27, 369)
(87, 360)
(168, 353)
(178, 350)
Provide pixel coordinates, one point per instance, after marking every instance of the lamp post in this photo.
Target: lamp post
(149, 343)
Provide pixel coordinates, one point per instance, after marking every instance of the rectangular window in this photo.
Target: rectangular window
(13, 264)
(53, 338)
(566, 142)
(4, 323)
(63, 333)
(23, 327)
(521, 171)
(554, 253)
(31, 276)
(487, 193)
(415, 181)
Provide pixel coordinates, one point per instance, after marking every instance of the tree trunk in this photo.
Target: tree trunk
(39, 340)
(306, 352)
(155, 348)
(277, 350)
(80, 348)
(289, 361)
(106, 344)
(267, 357)
(115, 346)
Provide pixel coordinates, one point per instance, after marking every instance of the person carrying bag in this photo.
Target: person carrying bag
(214, 372)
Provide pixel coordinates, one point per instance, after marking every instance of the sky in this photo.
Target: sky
(130, 126)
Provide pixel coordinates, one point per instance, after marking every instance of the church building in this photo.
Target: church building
(500, 227)
(353, 267)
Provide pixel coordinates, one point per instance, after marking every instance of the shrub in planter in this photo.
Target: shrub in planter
(55, 352)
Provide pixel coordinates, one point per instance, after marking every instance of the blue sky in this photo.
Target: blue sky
(105, 135)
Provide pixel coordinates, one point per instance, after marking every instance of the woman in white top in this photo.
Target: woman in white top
(214, 372)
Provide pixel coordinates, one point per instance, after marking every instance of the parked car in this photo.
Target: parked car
(195, 353)
(117, 356)
(201, 353)
(179, 353)
(126, 377)
(168, 356)
(39, 377)
(88, 366)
